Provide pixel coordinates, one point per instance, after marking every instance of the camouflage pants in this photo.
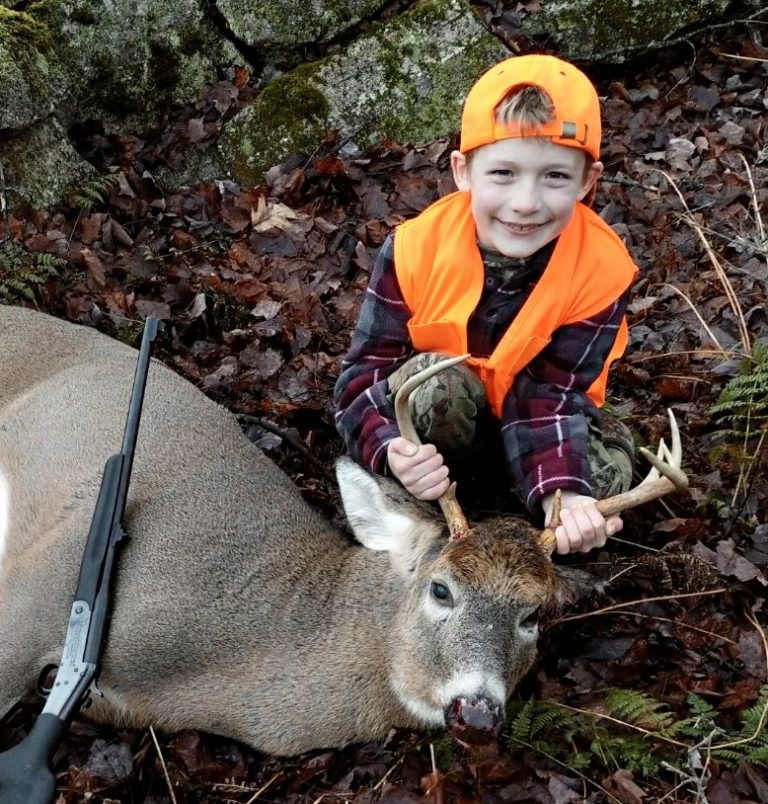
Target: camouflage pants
(450, 411)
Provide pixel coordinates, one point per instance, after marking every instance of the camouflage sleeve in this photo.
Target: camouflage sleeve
(364, 416)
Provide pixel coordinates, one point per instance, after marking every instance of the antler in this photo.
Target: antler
(454, 516)
(664, 477)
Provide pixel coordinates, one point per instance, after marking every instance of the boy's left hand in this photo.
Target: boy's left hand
(582, 527)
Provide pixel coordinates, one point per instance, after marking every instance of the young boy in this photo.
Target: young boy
(515, 269)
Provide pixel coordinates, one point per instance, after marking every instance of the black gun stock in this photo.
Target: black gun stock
(26, 773)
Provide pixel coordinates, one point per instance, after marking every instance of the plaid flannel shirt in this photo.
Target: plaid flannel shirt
(545, 413)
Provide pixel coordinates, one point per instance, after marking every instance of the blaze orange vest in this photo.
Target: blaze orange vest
(440, 272)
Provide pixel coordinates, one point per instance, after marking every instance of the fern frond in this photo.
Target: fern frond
(758, 755)
(551, 719)
(630, 751)
(94, 191)
(519, 724)
(637, 708)
(21, 271)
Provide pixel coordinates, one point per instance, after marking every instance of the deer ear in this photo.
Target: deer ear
(382, 515)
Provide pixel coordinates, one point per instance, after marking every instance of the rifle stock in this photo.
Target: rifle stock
(26, 773)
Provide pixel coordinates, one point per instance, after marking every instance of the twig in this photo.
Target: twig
(662, 355)
(634, 726)
(384, 778)
(764, 714)
(264, 787)
(162, 764)
(678, 623)
(245, 418)
(639, 546)
(740, 58)
(755, 202)
(437, 787)
(707, 28)
(752, 462)
(699, 780)
(585, 779)
(659, 598)
(724, 353)
(719, 270)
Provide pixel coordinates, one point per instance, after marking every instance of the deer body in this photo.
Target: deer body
(238, 609)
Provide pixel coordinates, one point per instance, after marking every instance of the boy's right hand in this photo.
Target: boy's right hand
(420, 468)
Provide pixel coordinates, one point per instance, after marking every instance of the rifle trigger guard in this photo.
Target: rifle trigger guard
(45, 680)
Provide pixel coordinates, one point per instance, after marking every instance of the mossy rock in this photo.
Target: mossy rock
(282, 25)
(126, 62)
(28, 79)
(41, 166)
(612, 30)
(405, 80)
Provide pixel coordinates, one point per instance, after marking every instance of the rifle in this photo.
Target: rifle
(26, 773)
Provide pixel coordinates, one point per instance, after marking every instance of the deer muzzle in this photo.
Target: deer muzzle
(473, 720)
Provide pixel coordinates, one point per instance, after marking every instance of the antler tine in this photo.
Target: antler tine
(454, 516)
(667, 461)
(664, 477)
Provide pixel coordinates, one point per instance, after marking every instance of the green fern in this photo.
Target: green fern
(519, 729)
(699, 725)
(548, 719)
(22, 271)
(94, 191)
(742, 411)
(743, 403)
(631, 752)
(637, 708)
(750, 742)
(585, 741)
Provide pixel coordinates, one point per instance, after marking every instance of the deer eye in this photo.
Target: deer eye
(441, 593)
(531, 620)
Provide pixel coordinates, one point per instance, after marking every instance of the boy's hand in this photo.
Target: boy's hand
(419, 468)
(582, 527)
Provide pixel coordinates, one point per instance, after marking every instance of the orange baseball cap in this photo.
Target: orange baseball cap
(577, 107)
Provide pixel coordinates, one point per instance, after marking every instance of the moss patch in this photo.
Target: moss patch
(292, 112)
(405, 80)
(607, 28)
(278, 25)
(26, 75)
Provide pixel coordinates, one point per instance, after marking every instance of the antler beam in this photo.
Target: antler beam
(664, 477)
(454, 516)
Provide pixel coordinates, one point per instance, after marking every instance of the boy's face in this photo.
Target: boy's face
(523, 191)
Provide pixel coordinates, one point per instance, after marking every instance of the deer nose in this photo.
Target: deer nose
(474, 720)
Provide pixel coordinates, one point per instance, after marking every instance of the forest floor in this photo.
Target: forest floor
(653, 686)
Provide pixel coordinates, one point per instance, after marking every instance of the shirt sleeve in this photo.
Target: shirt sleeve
(545, 413)
(364, 416)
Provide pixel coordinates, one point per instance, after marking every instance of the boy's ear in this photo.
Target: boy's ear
(591, 175)
(460, 169)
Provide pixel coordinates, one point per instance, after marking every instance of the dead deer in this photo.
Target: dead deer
(239, 609)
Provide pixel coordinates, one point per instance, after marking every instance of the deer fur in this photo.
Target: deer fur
(238, 608)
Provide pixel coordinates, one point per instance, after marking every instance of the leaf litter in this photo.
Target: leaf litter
(260, 289)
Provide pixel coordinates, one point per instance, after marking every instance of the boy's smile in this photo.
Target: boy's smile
(523, 191)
